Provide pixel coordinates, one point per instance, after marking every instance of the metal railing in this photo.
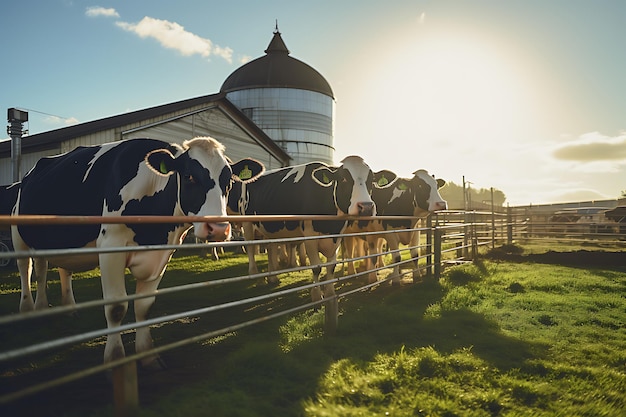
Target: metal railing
(447, 238)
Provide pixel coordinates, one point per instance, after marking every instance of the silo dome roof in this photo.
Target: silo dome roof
(277, 69)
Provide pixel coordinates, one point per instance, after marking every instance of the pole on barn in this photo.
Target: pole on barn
(125, 391)
(16, 119)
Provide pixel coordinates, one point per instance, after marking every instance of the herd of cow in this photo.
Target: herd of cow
(151, 177)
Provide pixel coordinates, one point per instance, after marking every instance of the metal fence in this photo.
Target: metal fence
(447, 238)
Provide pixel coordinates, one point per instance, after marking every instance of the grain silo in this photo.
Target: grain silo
(289, 100)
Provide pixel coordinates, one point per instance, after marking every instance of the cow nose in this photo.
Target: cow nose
(365, 209)
(440, 205)
(218, 232)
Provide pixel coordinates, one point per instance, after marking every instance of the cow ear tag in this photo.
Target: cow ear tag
(382, 181)
(245, 173)
(163, 168)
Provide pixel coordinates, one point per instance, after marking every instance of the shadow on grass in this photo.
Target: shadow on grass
(248, 373)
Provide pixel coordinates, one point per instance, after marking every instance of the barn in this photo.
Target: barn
(275, 109)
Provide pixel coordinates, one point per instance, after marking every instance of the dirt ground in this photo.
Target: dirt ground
(574, 258)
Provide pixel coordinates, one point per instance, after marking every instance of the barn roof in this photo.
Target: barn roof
(277, 69)
(50, 139)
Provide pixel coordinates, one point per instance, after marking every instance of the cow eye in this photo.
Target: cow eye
(190, 179)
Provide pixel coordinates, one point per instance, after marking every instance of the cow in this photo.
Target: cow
(308, 189)
(417, 196)
(39, 266)
(127, 178)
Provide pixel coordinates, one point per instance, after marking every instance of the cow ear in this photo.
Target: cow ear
(402, 184)
(247, 170)
(324, 176)
(440, 183)
(384, 178)
(161, 161)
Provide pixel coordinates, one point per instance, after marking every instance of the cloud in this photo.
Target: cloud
(95, 11)
(174, 36)
(593, 148)
(422, 18)
(244, 59)
(60, 121)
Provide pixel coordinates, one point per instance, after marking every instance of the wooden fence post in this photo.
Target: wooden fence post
(125, 391)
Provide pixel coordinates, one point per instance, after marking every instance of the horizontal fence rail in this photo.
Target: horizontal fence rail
(448, 238)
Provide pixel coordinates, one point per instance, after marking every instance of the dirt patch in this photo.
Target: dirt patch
(574, 258)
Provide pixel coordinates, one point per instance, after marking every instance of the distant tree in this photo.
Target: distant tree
(623, 194)
(479, 197)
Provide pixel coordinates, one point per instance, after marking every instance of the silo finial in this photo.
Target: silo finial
(276, 30)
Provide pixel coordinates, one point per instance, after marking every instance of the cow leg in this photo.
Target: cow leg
(67, 293)
(314, 256)
(394, 244)
(372, 247)
(112, 267)
(415, 253)
(25, 267)
(248, 234)
(143, 338)
(272, 263)
(301, 253)
(40, 269)
(350, 244)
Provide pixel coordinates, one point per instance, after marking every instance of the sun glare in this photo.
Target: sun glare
(460, 94)
(452, 86)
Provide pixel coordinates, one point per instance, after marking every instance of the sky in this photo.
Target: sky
(528, 96)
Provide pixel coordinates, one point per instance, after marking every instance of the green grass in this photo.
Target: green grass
(494, 338)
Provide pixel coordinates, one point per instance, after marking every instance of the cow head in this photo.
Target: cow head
(204, 177)
(427, 197)
(352, 182)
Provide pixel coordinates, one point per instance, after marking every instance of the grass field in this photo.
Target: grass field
(502, 337)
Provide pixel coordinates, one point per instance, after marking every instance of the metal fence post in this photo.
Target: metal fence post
(429, 246)
(437, 250)
(509, 226)
(331, 315)
(125, 391)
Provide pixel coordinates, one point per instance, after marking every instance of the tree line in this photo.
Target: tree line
(474, 197)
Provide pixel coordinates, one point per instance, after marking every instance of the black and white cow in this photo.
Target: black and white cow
(417, 196)
(127, 178)
(39, 267)
(308, 189)
(8, 197)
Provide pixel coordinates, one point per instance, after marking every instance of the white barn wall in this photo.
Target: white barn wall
(174, 127)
